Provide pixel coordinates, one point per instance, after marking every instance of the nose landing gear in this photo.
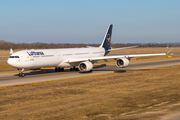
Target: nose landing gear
(21, 74)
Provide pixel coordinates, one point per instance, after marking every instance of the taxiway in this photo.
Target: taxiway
(35, 76)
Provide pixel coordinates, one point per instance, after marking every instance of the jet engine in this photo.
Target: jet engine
(85, 66)
(122, 62)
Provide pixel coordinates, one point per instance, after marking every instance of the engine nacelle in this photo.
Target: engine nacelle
(122, 62)
(85, 66)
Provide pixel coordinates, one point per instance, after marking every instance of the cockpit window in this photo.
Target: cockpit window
(14, 57)
(11, 56)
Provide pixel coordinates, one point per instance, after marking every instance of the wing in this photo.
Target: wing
(111, 57)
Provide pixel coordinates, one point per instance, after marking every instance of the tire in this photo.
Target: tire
(22, 75)
(59, 69)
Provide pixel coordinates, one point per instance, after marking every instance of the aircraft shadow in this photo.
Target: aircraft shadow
(42, 71)
(121, 71)
(48, 71)
(102, 67)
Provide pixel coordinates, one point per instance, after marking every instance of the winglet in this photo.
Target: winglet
(169, 51)
(11, 51)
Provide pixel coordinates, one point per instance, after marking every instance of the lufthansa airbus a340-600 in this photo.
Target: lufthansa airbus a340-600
(70, 57)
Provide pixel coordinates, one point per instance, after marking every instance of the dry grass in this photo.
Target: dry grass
(5, 68)
(124, 96)
(4, 54)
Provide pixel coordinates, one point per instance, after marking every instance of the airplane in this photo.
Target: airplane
(84, 58)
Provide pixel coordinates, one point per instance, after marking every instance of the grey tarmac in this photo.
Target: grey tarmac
(44, 75)
(3, 59)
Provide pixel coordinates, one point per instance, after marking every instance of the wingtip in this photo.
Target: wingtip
(169, 51)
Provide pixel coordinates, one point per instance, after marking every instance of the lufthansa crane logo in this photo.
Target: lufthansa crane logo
(108, 40)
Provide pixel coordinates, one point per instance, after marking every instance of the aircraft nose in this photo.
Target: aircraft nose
(10, 62)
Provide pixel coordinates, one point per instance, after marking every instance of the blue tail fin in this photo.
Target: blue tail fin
(106, 44)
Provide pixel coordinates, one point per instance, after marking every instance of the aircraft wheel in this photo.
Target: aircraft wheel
(55, 69)
(59, 69)
(76, 69)
(22, 75)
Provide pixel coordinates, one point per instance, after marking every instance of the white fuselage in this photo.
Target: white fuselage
(32, 59)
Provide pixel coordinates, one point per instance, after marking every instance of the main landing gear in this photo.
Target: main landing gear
(21, 74)
(74, 69)
(58, 69)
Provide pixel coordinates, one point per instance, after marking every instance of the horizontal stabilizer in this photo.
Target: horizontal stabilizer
(122, 48)
(90, 47)
(11, 51)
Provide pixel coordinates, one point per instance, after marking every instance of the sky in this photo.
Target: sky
(86, 21)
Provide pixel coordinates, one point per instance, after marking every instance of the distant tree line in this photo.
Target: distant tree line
(4, 45)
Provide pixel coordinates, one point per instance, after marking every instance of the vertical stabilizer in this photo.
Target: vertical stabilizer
(106, 44)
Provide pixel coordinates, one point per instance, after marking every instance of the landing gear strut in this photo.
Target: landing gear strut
(21, 74)
(58, 69)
